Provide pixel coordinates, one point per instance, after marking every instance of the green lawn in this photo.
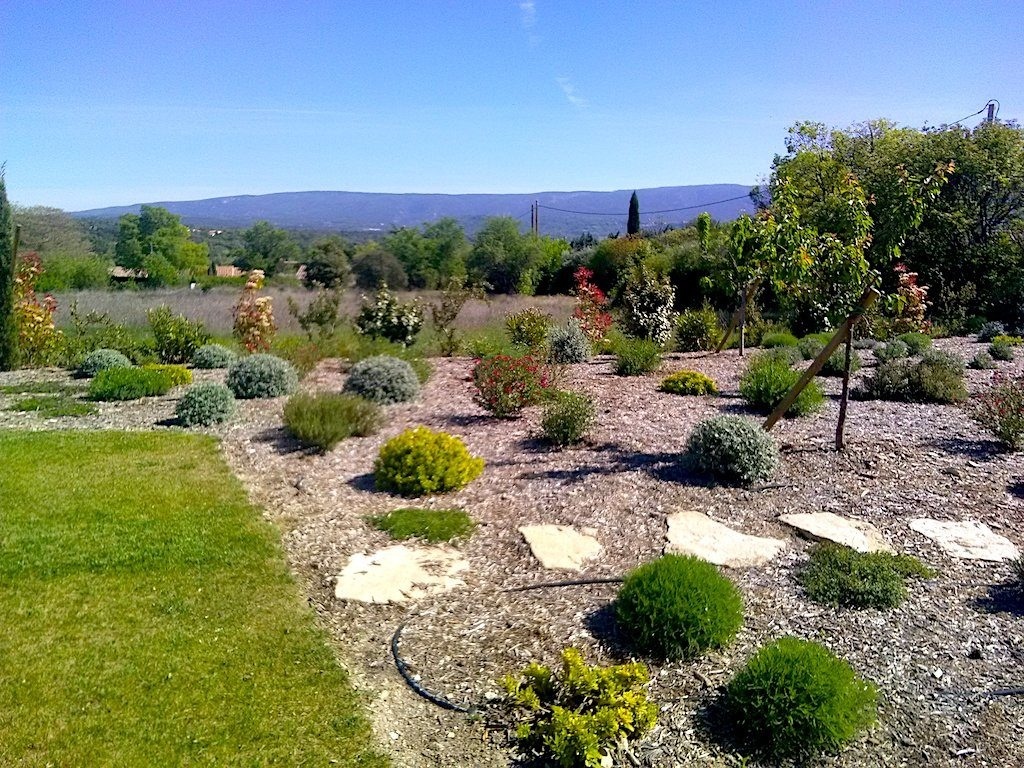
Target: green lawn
(149, 618)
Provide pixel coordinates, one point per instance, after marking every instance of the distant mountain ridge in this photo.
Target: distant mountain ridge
(561, 213)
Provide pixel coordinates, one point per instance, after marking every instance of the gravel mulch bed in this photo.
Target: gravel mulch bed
(935, 659)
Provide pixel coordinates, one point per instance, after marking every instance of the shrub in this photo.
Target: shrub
(678, 606)
(101, 360)
(769, 379)
(836, 363)
(811, 345)
(838, 575)
(865, 343)
(253, 315)
(647, 301)
(568, 417)
(320, 319)
(789, 355)
(38, 340)
(205, 404)
(591, 310)
(261, 375)
(636, 357)
(578, 716)
(383, 379)
(982, 361)
(568, 344)
(323, 420)
(794, 699)
(128, 384)
(1000, 410)
(433, 525)
(779, 339)
(916, 343)
(1011, 341)
(936, 378)
(505, 384)
(697, 329)
(989, 330)
(178, 375)
(1002, 352)
(733, 449)
(175, 337)
(420, 461)
(528, 327)
(689, 383)
(211, 356)
(387, 318)
(92, 331)
(894, 350)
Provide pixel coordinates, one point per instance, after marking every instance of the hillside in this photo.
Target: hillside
(370, 211)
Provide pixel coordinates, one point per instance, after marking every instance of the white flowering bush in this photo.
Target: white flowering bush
(387, 318)
(647, 302)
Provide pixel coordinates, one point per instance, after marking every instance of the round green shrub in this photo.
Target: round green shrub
(261, 375)
(982, 361)
(812, 344)
(568, 344)
(129, 384)
(689, 383)
(733, 449)
(636, 357)
(205, 404)
(837, 362)
(838, 575)
(383, 379)
(678, 606)
(419, 462)
(697, 330)
(325, 419)
(779, 339)
(916, 343)
(528, 327)
(937, 377)
(1002, 352)
(211, 356)
(894, 350)
(796, 699)
(568, 417)
(100, 360)
(768, 379)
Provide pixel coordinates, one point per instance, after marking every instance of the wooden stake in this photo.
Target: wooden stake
(744, 300)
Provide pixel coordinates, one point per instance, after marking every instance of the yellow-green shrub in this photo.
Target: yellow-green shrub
(419, 462)
(178, 375)
(689, 383)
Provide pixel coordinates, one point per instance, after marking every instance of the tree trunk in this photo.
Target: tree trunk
(844, 398)
(743, 320)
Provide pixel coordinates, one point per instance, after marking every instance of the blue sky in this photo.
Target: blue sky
(108, 103)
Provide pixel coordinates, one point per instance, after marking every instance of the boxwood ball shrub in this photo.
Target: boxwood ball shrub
(100, 360)
(129, 384)
(768, 379)
(205, 404)
(420, 462)
(568, 344)
(568, 417)
(678, 606)
(636, 357)
(210, 356)
(838, 575)
(324, 419)
(383, 379)
(795, 699)
(733, 449)
(689, 383)
(261, 375)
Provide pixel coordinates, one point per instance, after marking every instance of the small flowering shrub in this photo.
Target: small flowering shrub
(253, 315)
(420, 462)
(989, 330)
(568, 344)
(528, 327)
(647, 302)
(591, 310)
(211, 356)
(39, 340)
(387, 318)
(176, 338)
(505, 384)
(689, 383)
(178, 375)
(101, 360)
(205, 404)
(1000, 410)
(579, 716)
(261, 375)
(568, 417)
(697, 329)
(733, 449)
(909, 302)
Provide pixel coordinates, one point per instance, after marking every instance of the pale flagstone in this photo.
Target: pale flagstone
(399, 574)
(856, 534)
(694, 533)
(966, 539)
(561, 547)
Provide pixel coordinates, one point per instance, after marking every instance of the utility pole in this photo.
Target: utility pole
(536, 217)
(991, 116)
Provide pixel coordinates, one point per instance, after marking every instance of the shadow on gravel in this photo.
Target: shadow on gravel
(1002, 598)
(670, 467)
(714, 723)
(465, 420)
(979, 450)
(1016, 489)
(363, 482)
(602, 625)
(283, 442)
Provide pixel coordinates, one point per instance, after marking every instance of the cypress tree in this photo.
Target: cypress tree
(633, 222)
(8, 330)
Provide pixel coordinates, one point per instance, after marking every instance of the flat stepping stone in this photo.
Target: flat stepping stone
(694, 533)
(560, 547)
(399, 574)
(856, 534)
(967, 539)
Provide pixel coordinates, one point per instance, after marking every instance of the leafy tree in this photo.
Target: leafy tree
(413, 252)
(375, 266)
(266, 248)
(633, 220)
(51, 232)
(327, 263)
(505, 259)
(449, 250)
(157, 243)
(8, 326)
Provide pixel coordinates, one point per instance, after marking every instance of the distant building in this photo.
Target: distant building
(122, 275)
(227, 270)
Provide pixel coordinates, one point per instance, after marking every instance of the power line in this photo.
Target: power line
(974, 114)
(645, 213)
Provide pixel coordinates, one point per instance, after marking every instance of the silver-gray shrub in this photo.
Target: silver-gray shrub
(383, 379)
(989, 330)
(100, 360)
(733, 449)
(261, 375)
(894, 350)
(211, 356)
(204, 404)
(568, 344)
